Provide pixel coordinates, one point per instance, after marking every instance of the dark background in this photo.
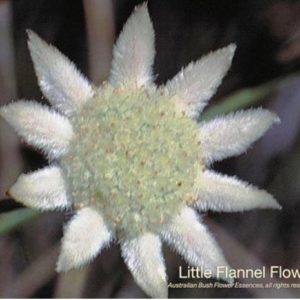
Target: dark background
(267, 34)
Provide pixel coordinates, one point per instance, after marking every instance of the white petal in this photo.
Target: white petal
(190, 238)
(60, 81)
(144, 259)
(84, 237)
(44, 189)
(197, 83)
(39, 126)
(232, 134)
(134, 51)
(223, 193)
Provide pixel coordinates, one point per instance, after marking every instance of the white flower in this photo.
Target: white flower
(130, 157)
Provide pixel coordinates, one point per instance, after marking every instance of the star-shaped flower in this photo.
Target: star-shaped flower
(130, 157)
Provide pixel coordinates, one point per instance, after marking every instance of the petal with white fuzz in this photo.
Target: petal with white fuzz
(228, 194)
(231, 135)
(144, 259)
(84, 237)
(133, 54)
(60, 81)
(39, 126)
(44, 189)
(191, 239)
(197, 83)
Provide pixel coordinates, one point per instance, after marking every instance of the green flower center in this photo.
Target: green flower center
(134, 157)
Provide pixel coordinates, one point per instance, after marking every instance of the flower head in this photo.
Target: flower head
(130, 157)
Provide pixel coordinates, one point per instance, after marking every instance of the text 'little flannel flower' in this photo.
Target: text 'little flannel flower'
(130, 157)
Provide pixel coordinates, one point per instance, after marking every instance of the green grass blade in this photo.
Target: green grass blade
(241, 99)
(13, 219)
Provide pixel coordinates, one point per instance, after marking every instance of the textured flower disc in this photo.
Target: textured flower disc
(140, 165)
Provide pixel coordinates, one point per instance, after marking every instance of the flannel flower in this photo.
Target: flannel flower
(130, 158)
